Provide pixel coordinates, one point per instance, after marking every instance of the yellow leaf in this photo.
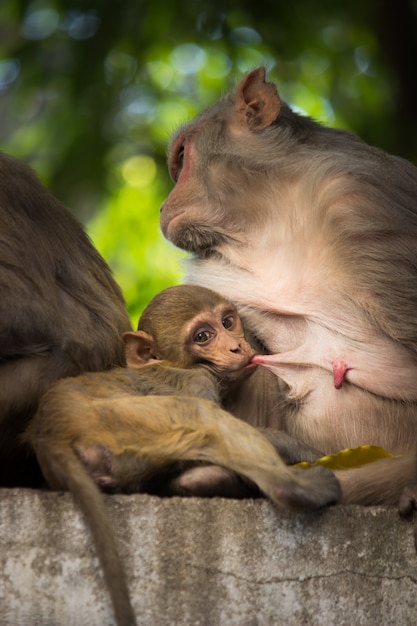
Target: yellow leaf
(349, 458)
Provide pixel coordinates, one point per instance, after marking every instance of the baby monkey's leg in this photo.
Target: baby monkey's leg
(144, 436)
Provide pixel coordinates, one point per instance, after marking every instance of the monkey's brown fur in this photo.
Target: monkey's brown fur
(313, 234)
(61, 312)
(123, 429)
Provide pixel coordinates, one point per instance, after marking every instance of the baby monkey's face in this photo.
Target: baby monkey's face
(216, 339)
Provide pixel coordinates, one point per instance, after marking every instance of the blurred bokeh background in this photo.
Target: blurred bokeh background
(91, 91)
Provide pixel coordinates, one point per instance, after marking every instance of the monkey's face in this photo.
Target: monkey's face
(220, 163)
(215, 338)
(207, 206)
(184, 213)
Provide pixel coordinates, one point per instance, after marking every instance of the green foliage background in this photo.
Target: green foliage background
(91, 90)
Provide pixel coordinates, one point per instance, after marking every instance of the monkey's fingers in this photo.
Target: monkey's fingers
(312, 489)
(408, 501)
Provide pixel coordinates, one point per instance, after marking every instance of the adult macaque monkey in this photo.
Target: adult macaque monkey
(313, 234)
(124, 431)
(61, 312)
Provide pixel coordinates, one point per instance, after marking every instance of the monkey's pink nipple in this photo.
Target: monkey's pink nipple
(339, 372)
(258, 359)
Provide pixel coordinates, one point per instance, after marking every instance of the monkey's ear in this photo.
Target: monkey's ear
(139, 348)
(257, 102)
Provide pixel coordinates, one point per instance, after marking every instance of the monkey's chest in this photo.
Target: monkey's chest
(318, 337)
(323, 358)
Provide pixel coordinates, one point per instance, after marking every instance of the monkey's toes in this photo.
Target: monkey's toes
(311, 489)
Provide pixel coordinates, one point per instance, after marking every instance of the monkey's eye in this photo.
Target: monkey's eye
(202, 336)
(228, 322)
(177, 162)
(180, 157)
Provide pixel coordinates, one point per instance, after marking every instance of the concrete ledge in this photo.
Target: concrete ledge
(207, 562)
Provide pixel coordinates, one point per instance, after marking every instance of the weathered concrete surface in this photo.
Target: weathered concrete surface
(207, 562)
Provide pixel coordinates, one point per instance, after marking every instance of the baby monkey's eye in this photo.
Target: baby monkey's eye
(202, 336)
(228, 322)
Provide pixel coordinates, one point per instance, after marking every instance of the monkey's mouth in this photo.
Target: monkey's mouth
(250, 365)
(168, 222)
(194, 237)
(240, 373)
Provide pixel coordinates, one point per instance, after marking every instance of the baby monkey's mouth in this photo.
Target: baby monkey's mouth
(240, 373)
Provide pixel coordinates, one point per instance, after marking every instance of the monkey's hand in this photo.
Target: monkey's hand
(312, 489)
(408, 504)
(408, 500)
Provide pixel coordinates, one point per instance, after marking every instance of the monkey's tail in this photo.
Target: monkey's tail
(63, 464)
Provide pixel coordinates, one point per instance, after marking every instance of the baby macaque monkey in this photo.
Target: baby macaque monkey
(122, 430)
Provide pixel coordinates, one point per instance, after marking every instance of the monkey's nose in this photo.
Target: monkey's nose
(236, 350)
